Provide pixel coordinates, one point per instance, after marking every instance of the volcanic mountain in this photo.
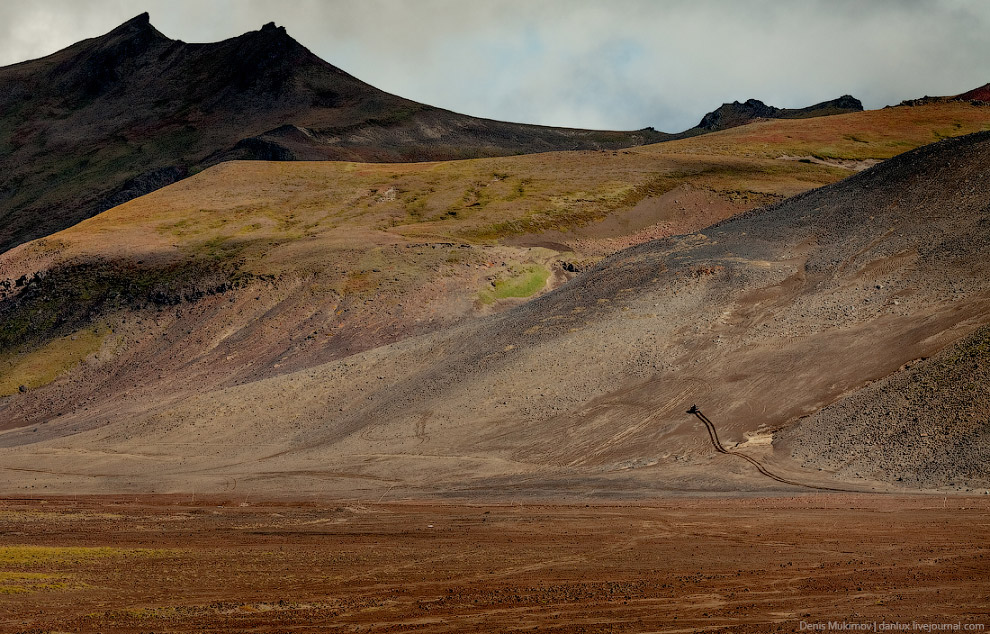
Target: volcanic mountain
(117, 116)
(453, 324)
(114, 117)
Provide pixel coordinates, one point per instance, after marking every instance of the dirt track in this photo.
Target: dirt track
(760, 467)
(742, 564)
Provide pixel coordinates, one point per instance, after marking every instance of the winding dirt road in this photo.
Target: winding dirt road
(717, 444)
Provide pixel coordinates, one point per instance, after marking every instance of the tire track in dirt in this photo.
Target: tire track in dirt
(717, 444)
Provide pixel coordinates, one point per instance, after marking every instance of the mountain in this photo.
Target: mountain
(868, 294)
(117, 116)
(731, 115)
(114, 117)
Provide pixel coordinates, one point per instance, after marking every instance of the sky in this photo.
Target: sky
(617, 64)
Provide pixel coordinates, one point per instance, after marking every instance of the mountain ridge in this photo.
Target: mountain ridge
(114, 117)
(731, 115)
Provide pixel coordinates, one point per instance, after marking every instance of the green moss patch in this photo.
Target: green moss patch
(522, 282)
(43, 365)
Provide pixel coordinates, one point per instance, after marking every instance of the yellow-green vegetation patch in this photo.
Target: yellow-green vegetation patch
(60, 555)
(558, 211)
(757, 181)
(23, 582)
(47, 516)
(180, 229)
(522, 281)
(43, 365)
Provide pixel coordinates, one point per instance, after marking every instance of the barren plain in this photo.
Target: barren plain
(684, 564)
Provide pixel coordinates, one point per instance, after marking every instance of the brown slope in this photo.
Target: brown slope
(373, 253)
(117, 116)
(760, 320)
(977, 94)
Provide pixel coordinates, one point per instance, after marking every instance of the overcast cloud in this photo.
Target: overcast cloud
(622, 64)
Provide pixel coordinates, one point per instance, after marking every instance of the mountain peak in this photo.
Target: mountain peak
(730, 115)
(103, 61)
(273, 38)
(141, 109)
(135, 34)
(139, 24)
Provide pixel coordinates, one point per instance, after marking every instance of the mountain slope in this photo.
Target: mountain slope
(114, 117)
(977, 94)
(117, 116)
(759, 320)
(367, 254)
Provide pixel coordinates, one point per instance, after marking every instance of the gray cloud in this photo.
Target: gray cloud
(619, 64)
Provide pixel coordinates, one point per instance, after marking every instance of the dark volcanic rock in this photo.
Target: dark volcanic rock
(101, 67)
(927, 425)
(730, 115)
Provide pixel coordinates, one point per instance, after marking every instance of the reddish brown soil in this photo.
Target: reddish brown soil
(977, 94)
(721, 564)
